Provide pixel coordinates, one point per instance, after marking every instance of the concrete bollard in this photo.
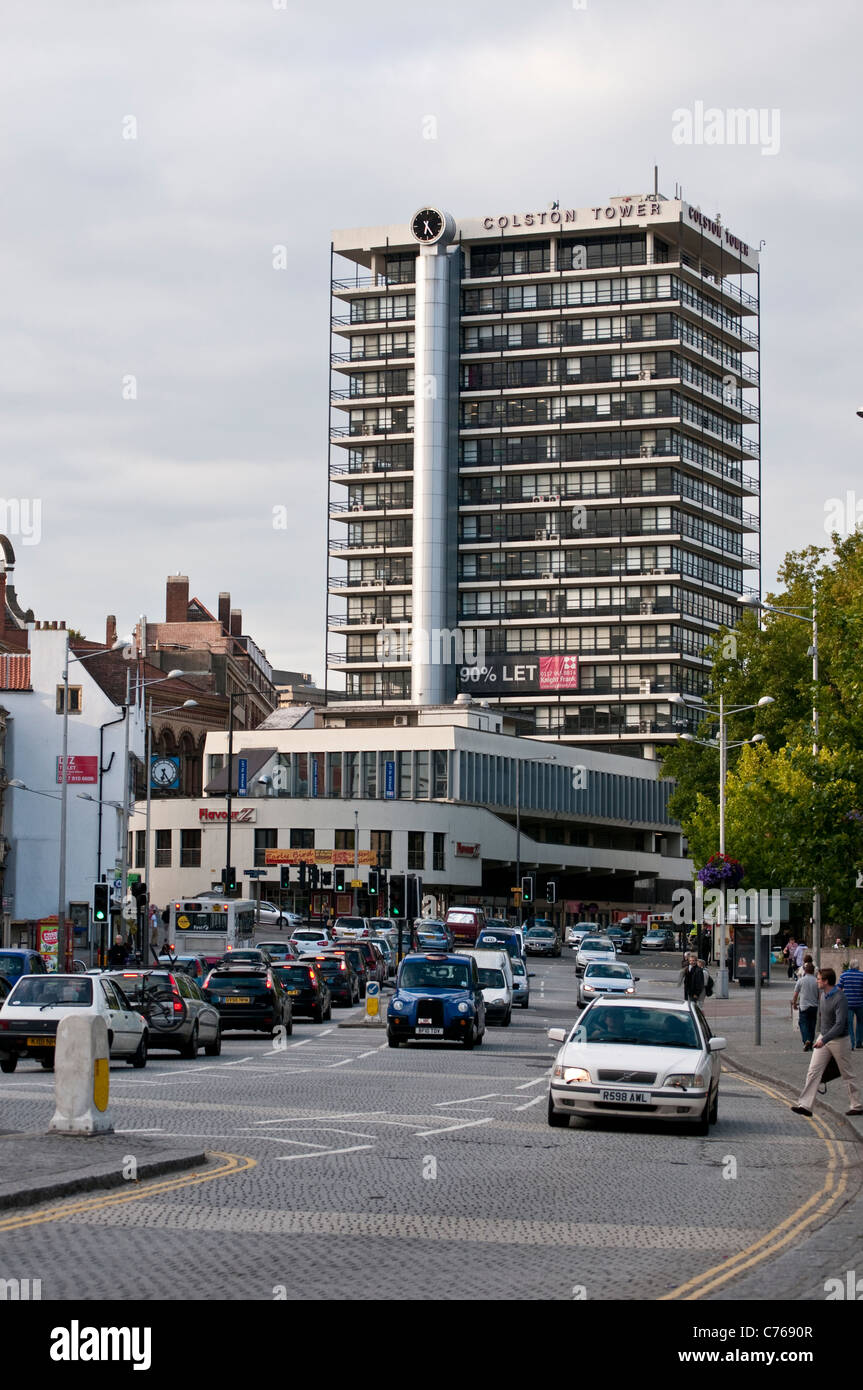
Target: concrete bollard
(81, 1076)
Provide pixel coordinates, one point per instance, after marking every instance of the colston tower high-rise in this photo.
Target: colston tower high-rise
(544, 454)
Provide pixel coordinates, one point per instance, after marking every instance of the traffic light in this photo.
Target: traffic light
(314, 875)
(326, 878)
(285, 876)
(397, 895)
(302, 875)
(100, 902)
(139, 893)
(373, 883)
(340, 880)
(413, 895)
(551, 891)
(527, 889)
(230, 879)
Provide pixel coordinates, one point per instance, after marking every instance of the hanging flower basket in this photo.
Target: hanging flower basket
(721, 871)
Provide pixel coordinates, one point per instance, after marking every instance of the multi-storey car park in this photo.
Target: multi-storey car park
(544, 437)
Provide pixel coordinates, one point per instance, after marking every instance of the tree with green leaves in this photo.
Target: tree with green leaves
(793, 818)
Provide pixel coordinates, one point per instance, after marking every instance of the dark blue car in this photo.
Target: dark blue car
(437, 997)
(15, 963)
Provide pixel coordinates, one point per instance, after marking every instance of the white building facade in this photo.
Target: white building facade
(34, 740)
(436, 793)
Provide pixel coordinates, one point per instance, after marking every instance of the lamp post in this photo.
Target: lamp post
(801, 616)
(122, 823)
(721, 714)
(64, 944)
(232, 715)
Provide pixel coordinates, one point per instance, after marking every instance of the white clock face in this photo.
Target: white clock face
(164, 773)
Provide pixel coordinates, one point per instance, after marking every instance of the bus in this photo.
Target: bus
(209, 927)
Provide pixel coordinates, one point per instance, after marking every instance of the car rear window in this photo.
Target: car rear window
(238, 979)
(52, 990)
(332, 967)
(297, 974)
(593, 943)
(461, 917)
(139, 989)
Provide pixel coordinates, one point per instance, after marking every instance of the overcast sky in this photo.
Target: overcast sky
(259, 125)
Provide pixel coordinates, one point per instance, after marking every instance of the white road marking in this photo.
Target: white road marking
(291, 1158)
(468, 1124)
(536, 1101)
(349, 1115)
(371, 1052)
(526, 1085)
(346, 1061)
(467, 1101)
(325, 1031)
(139, 1131)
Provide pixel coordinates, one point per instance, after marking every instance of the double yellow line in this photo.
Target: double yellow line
(232, 1165)
(815, 1208)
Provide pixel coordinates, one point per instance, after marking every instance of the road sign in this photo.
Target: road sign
(516, 891)
(389, 781)
(356, 883)
(242, 776)
(373, 1002)
(255, 873)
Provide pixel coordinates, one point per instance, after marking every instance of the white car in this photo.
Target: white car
(605, 978)
(352, 927)
(637, 1057)
(575, 935)
(495, 981)
(594, 948)
(520, 983)
(310, 939)
(32, 1011)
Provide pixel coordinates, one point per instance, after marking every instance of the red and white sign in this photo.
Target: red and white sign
(79, 770)
(464, 851)
(241, 817)
(558, 672)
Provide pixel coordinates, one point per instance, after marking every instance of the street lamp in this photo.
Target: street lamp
(721, 714)
(64, 944)
(801, 615)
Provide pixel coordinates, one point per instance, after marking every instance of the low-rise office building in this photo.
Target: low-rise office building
(443, 792)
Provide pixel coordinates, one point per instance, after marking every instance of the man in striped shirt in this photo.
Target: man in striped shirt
(851, 982)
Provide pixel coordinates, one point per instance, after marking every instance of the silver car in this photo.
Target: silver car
(594, 948)
(599, 979)
(520, 982)
(180, 1019)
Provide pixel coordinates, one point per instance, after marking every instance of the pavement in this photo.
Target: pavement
(39, 1167)
(779, 1058)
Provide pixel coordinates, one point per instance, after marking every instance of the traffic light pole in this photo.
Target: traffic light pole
(518, 833)
(230, 786)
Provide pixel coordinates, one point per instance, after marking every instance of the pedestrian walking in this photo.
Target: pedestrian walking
(789, 952)
(851, 983)
(693, 981)
(800, 954)
(805, 1001)
(832, 1041)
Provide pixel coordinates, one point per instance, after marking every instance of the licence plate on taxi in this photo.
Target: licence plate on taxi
(431, 1032)
(622, 1097)
(293, 991)
(41, 1042)
(237, 999)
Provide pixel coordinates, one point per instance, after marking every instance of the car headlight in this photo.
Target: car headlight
(686, 1081)
(398, 1005)
(588, 989)
(463, 1007)
(630, 989)
(568, 1074)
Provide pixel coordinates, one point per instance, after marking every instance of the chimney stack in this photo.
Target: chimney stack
(110, 630)
(236, 622)
(225, 611)
(177, 598)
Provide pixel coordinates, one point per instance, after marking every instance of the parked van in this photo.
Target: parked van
(495, 979)
(465, 923)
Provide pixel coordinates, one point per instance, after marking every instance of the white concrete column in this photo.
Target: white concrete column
(431, 471)
(81, 1068)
